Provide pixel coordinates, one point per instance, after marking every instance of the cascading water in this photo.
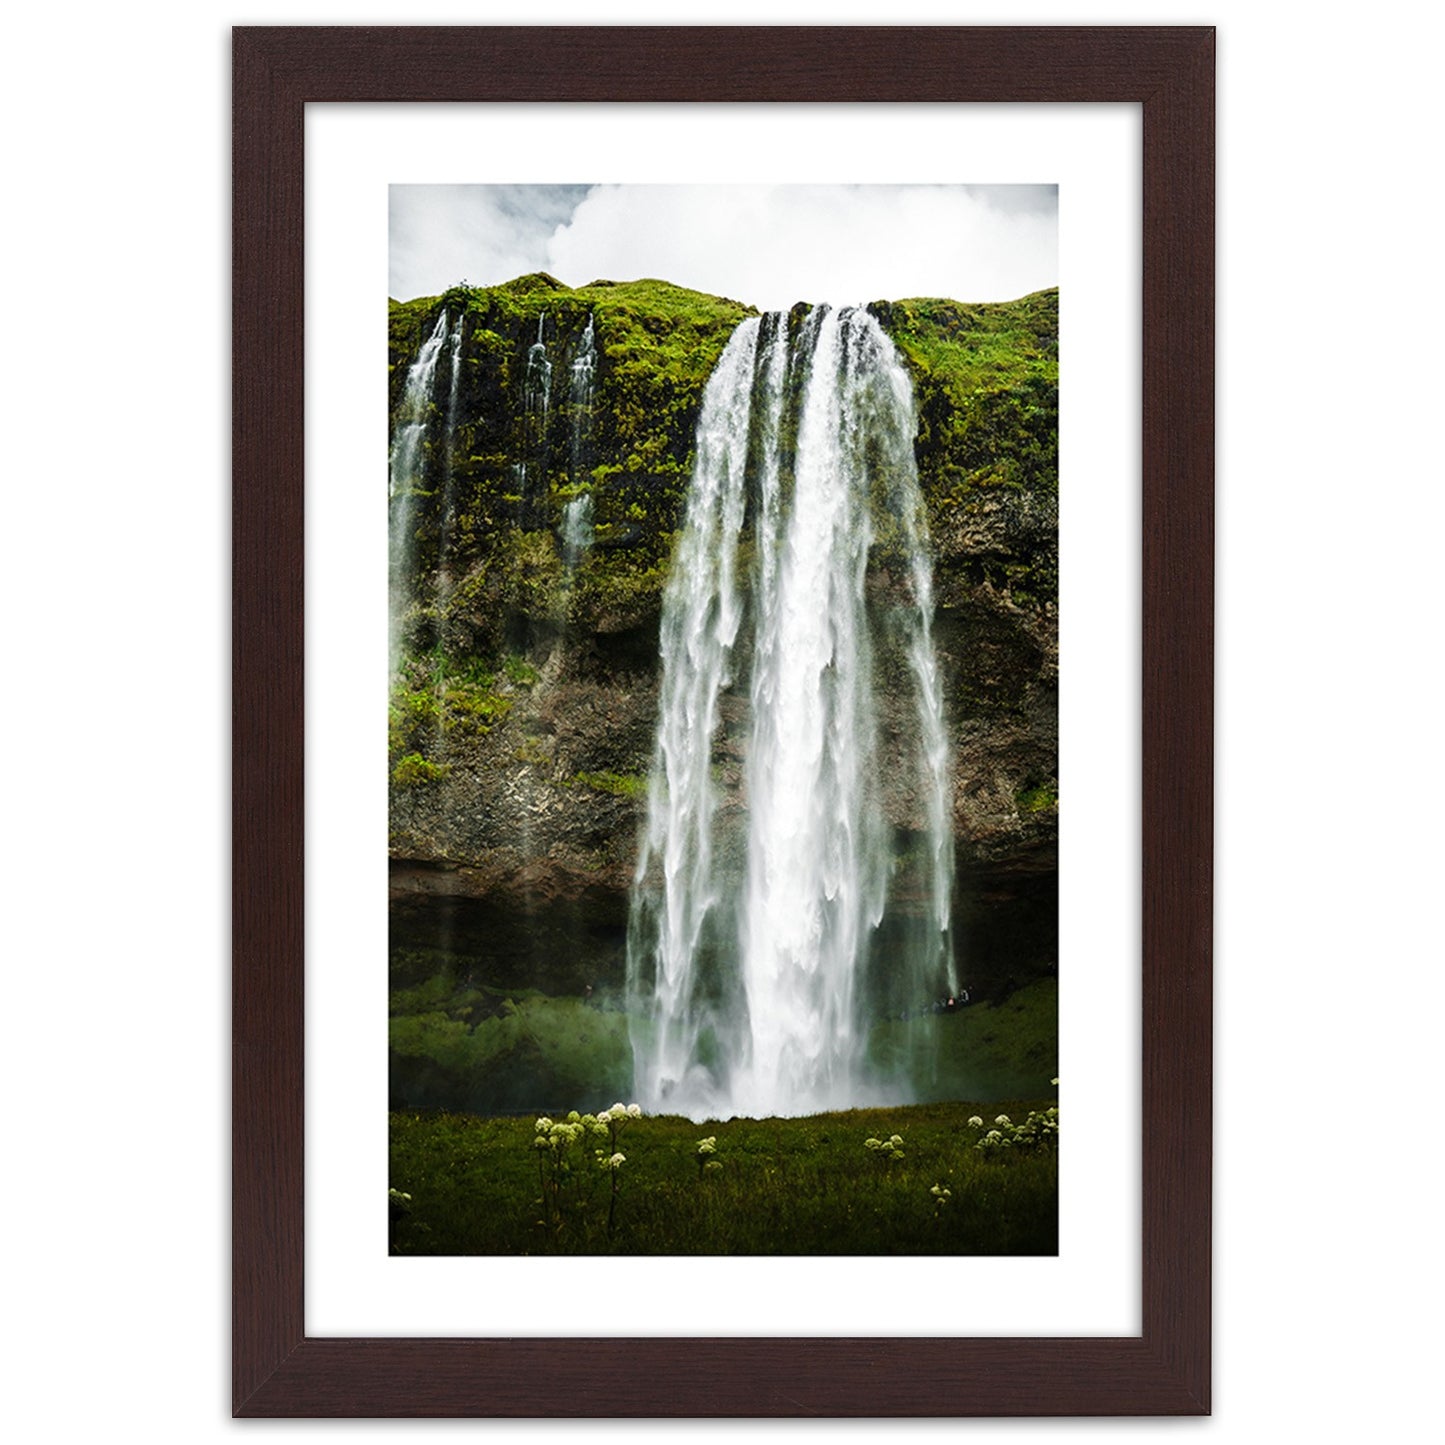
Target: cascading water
(576, 529)
(576, 532)
(409, 457)
(415, 413)
(536, 403)
(538, 382)
(444, 522)
(584, 369)
(755, 914)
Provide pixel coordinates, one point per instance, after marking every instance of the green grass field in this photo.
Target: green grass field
(777, 1186)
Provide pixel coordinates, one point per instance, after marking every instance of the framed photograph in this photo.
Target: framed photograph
(794, 595)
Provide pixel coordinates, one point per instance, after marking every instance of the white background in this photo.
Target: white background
(1092, 1286)
(1327, 1289)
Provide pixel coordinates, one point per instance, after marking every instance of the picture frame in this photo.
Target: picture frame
(277, 1369)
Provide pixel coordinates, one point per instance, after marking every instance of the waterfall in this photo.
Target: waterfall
(584, 367)
(455, 379)
(408, 460)
(444, 522)
(537, 384)
(576, 529)
(536, 402)
(755, 912)
(576, 532)
(415, 412)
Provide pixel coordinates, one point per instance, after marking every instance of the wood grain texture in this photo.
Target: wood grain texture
(277, 1371)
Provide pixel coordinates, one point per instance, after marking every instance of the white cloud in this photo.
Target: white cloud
(769, 246)
(441, 235)
(774, 245)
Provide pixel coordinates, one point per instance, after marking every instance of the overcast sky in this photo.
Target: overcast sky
(769, 246)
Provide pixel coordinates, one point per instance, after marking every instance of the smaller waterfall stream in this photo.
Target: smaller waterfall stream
(576, 532)
(409, 460)
(444, 526)
(417, 407)
(584, 368)
(576, 529)
(536, 403)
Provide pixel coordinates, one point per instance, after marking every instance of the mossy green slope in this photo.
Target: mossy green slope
(986, 386)
(986, 379)
(656, 345)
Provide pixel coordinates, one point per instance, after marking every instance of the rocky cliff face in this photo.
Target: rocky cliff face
(522, 719)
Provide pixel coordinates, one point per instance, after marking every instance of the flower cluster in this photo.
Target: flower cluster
(1040, 1129)
(614, 1120)
(706, 1164)
(559, 1136)
(553, 1141)
(941, 1195)
(889, 1148)
(609, 1125)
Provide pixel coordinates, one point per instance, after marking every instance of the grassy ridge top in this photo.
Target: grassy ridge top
(980, 345)
(676, 326)
(963, 345)
(985, 374)
(986, 379)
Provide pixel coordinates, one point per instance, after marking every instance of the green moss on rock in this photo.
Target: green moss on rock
(488, 563)
(414, 769)
(986, 390)
(621, 785)
(1038, 797)
(656, 345)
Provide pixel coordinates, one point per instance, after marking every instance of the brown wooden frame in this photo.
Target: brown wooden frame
(277, 1371)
